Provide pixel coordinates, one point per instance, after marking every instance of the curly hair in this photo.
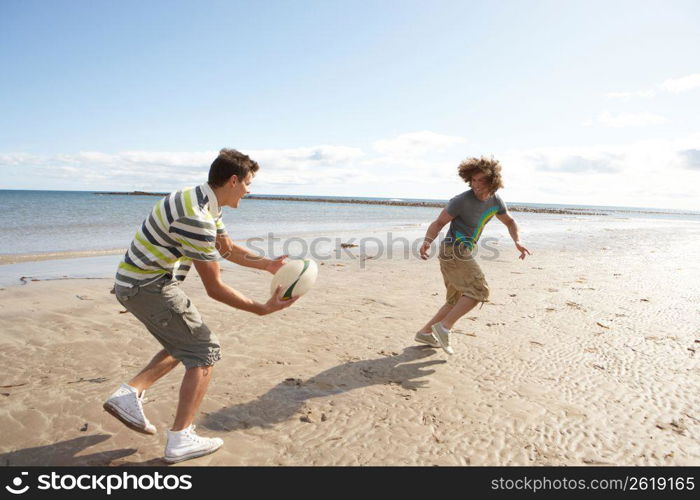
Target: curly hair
(489, 166)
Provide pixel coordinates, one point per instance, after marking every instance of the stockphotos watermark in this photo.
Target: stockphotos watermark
(107, 483)
(325, 248)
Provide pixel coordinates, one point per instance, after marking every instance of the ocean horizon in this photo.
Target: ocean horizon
(514, 203)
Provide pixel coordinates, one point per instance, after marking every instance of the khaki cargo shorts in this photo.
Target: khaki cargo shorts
(173, 320)
(462, 274)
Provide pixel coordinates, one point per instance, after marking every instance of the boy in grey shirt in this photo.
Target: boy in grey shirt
(468, 213)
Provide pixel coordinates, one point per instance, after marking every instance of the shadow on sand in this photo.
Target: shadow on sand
(64, 453)
(279, 404)
(288, 397)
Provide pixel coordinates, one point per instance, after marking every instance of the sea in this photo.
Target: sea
(58, 222)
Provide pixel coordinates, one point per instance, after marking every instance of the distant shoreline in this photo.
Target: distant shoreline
(134, 193)
(395, 203)
(6, 259)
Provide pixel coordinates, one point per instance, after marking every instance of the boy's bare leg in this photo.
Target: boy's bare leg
(194, 387)
(462, 307)
(161, 364)
(442, 312)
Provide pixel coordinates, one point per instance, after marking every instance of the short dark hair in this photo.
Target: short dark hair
(230, 162)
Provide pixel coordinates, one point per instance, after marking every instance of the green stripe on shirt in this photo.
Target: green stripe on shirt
(138, 270)
(187, 193)
(151, 248)
(167, 252)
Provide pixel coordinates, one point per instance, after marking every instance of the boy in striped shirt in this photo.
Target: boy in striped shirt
(185, 229)
(467, 213)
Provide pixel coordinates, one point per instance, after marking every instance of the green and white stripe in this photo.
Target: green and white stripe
(182, 227)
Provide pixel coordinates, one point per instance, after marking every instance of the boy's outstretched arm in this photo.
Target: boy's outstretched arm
(513, 230)
(210, 272)
(433, 231)
(244, 257)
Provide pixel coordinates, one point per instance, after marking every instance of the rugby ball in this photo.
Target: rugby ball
(297, 276)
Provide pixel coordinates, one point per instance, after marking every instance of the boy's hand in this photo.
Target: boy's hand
(276, 302)
(522, 251)
(424, 249)
(274, 264)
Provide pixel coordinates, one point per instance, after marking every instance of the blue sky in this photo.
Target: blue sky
(583, 102)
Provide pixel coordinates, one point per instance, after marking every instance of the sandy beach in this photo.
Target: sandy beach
(584, 356)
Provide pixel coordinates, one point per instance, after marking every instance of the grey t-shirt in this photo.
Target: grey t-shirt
(470, 216)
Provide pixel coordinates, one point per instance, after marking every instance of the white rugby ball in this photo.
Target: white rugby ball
(297, 276)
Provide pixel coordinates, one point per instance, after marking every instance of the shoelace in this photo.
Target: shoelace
(140, 400)
(139, 404)
(190, 432)
(128, 403)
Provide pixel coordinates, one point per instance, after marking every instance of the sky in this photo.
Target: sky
(583, 102)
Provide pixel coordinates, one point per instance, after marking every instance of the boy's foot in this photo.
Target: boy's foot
(427, 338)
(442, 335)
(126, 405)
(186, 444)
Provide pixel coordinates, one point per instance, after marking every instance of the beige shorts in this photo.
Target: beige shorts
(173, 320)
(462, 274)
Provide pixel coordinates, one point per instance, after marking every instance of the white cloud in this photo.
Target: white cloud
(630, 95)
(661, 173)
(416, 144)
(643, 174)
(163, 171)
(586, 162)
(691, 158)
(18, 159)
(675, 85)
(621, 120)
(682, 84)
(304, 158)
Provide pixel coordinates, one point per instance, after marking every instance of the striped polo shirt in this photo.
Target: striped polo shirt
(182, 227)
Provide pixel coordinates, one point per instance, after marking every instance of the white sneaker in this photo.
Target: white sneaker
(427, 338)
(186, 444)
(126, 405)
(442, 335)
